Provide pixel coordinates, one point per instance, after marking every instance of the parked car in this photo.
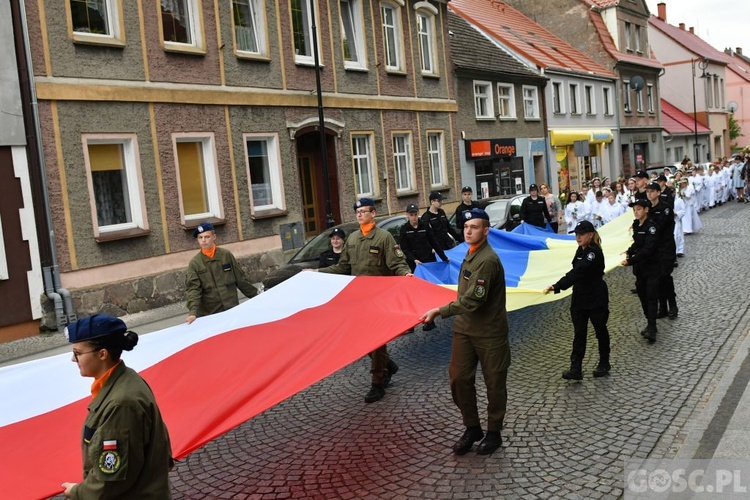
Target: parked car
(504, 210)
(308, 256)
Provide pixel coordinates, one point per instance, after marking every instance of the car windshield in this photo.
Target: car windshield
(498, 211)
(319, 244)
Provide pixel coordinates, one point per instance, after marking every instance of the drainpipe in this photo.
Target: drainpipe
(63, 302)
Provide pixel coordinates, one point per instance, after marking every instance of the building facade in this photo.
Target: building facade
(615, 34)
(694, 81)
(157, 116)
(502, 134)
(577, 103)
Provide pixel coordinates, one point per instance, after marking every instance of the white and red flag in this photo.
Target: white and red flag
(210, 376)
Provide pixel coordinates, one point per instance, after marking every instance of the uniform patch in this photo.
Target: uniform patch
(479, 291)
(666, 211)
(467, 274)
(590, 256)
(399, 252)
(375, 250)
(109, 461)
(226, 267)
(110, 444)
(652, 230)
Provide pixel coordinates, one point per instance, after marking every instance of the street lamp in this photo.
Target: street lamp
(702, 65)
(321, 120)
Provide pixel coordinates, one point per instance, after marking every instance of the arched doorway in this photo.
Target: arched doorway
(312, 181)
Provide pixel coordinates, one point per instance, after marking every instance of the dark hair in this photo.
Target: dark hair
(116, 343)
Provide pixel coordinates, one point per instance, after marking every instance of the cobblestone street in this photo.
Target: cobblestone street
(561, 439)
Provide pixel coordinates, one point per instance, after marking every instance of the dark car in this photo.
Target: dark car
(504, 210)
(308, 256)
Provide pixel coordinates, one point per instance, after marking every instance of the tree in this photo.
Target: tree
(735, 132)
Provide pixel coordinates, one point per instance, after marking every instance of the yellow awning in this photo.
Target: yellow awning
(569, 136)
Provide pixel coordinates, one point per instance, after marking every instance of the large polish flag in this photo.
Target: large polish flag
(210, 376)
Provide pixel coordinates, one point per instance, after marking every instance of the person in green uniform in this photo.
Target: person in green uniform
(213, 277)
(371, 251)
(480, 335)
(126, 448)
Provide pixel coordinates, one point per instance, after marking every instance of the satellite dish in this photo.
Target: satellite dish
(732, 106)
(637, 83)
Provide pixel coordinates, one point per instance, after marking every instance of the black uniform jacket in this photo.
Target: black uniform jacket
(586, 278)
(667, 197)
(445, 235)
(642, 254)
(663, 217)
(418, 242)
(328, 258)
(535, 211)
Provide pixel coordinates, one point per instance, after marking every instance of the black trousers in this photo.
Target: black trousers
(666, 283)
(581, 318)
(555, 227)
(648, 291)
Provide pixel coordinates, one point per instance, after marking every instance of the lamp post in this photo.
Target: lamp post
(321, 120)
(702, 65)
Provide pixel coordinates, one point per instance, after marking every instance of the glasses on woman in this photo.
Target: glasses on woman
(76, 353)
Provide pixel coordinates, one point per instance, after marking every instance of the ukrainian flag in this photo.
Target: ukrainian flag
(533, 259)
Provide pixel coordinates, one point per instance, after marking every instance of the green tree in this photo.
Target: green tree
(735, 132)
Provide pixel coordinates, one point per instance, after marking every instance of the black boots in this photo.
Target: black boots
(574, 373)
(471, 436)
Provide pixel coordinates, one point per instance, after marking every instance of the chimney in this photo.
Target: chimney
(692, 30)
(682, 26)
(662, 8)
(738, 50)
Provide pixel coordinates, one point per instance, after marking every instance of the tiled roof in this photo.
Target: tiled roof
(690, 41)
(676, 122)
(472, 50)
(609, 44)
(603, 3)
(739, 64)
(521, 34)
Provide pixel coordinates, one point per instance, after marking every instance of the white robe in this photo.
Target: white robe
(679, 212)
(691, 223)
(597, 216)
(611, 212)
(573, 213)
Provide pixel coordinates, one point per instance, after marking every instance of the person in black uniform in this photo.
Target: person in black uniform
(466, 205)
(663, 217)
(590, 300)
(534, 209)
(435, 216)
(641, 180)
(667, 193)
(332, 255)
(642, 255)
(417, 240)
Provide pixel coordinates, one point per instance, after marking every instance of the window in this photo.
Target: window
(720, 94)
(506, 101)
(590, 102)
(402, 162)
(638, 39)
(483, 107)
(198, 177)
(114, 178)
(436, 156)
(530, 103)
(95, 21)
(628, 36)
(426, 32)
(364, 165)
(717, 102)
(607, 101)
(650, 98)
(668, 156)
(181, 25)
(557, 98)
(679, 153)
(392, 37)
(352, 34)
(639, 101)
(249, 26)
(574, 99)
(709, 93)
(302, 33)
(626, 105)
(264, 168)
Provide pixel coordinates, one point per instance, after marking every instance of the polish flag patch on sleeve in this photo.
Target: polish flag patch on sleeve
(109, 444)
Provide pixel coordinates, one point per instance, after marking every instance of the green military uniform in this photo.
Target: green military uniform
(126, 448)
(375, 254)
(480, 333)
(211, 284)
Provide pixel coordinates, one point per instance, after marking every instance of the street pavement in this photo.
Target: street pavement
(682, 397)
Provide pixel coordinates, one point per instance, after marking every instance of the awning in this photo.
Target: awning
(569, 136)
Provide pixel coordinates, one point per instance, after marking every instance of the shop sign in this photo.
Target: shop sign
(490, 148)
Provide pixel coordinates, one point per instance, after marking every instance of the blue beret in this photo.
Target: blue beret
(476, 213)
(364, 202)
(92, 327)
(204, 226)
